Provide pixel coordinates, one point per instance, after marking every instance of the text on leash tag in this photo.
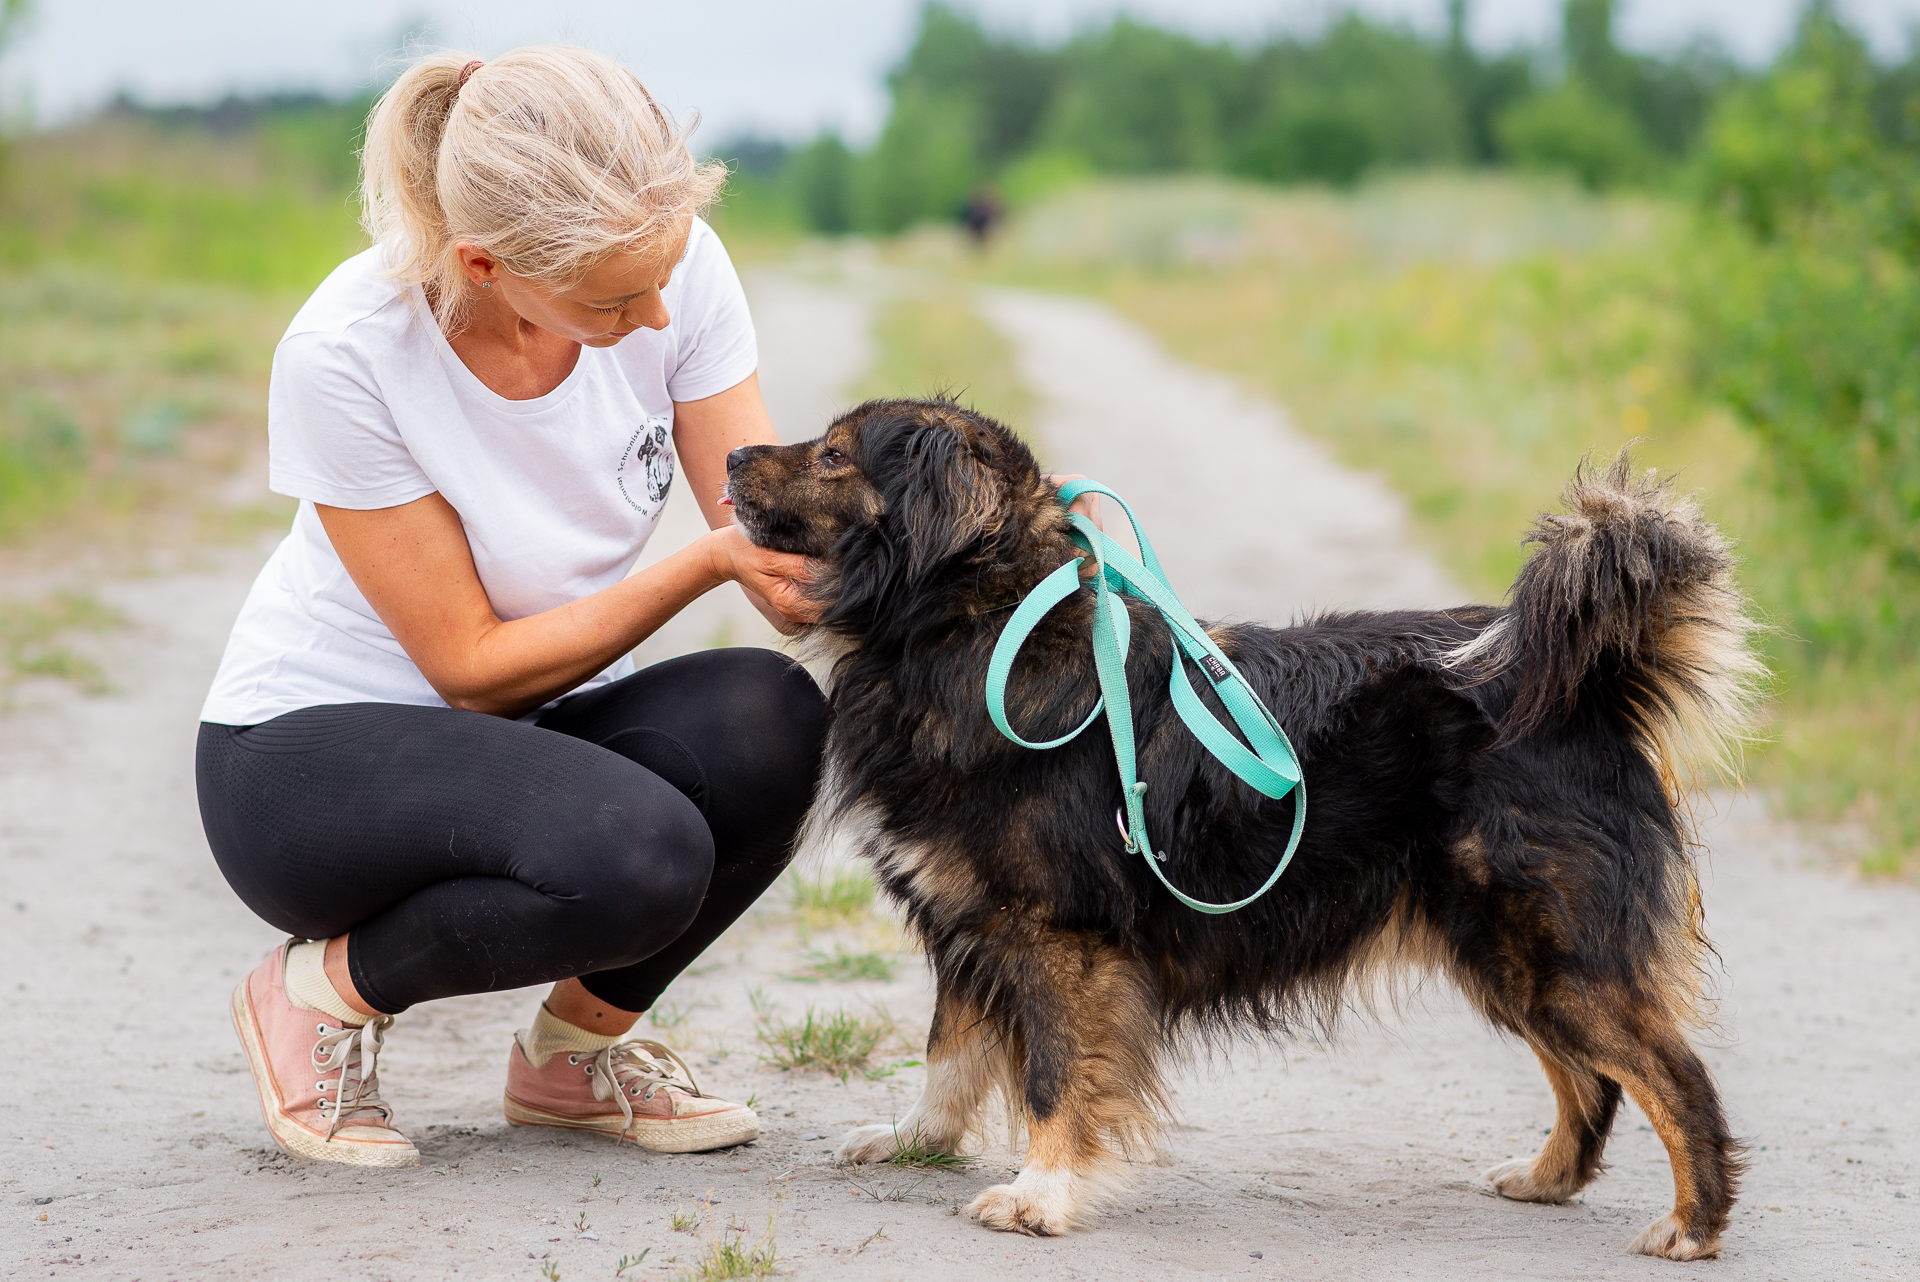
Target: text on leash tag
(1215, 669)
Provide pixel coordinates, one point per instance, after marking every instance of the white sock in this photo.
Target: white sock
(309, 988)
(550, 1035)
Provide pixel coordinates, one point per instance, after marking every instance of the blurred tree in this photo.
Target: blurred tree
(923, 165)
(1573, 128)
(1361, 94)
(1009, 85)
(1142, 100)
(1810, 328)
(1483, 87)
(821, 178)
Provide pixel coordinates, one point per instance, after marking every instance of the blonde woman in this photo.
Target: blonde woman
(426, 755)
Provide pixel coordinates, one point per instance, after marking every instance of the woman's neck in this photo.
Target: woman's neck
(512, 356)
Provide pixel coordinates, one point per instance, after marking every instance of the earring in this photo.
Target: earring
(486, 284)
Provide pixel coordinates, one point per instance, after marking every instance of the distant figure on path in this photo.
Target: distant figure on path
(981, 214)
(426, 755)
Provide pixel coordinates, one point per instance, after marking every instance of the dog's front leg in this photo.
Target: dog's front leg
(957, 1083)
(1087, 1021)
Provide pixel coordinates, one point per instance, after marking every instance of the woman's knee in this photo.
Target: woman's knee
(628, 865)
(777, 718)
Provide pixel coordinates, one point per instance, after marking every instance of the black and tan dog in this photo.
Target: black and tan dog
(1494, 798)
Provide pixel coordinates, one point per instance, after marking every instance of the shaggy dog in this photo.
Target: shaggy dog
(1494, 798)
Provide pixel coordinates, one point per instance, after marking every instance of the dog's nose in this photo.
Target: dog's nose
(737, 457)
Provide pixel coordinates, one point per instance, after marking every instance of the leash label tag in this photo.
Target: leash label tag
(1215, 669)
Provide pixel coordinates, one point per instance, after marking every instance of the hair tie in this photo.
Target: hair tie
(466, 71)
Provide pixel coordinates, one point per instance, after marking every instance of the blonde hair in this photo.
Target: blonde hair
(549, 158)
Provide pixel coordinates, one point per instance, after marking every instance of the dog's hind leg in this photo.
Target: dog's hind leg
(1585, 1104)
(1613, 1034)
(959, 1074)
(1086, 1021)
(1675, 1091)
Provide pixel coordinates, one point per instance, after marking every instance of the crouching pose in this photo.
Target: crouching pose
(1493, 798)
(426, 756)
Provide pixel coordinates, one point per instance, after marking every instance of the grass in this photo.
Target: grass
(843, 967)
(929, 340)
(914, 1153)
(34, 639)
(730, 1257)
(146, 273)
(840, 1041)
(670, 1017)
(1470, 339)
(837, 898)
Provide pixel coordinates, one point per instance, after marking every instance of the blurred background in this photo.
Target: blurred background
(1463, 242)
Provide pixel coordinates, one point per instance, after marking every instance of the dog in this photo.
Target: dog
(1497, 797)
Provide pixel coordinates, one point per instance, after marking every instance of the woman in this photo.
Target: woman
(426, 755)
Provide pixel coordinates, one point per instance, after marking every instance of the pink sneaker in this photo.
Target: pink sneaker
(629, 1091)
(319, 1082)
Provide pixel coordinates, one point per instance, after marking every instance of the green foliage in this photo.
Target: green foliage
(843, 967)
(836, 897)
(1574, 129)
(729, 1256)
(149, 260)
(1363, 94)
(923, 165)
(1138, 99)
(838, 1042)
(151, 198)
(972, 107)
(1808, 323)
(34, 638)
(914, 1152)
(822, 182)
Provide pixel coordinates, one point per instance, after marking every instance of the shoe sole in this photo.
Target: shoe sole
(654, 1135)
(294, 1139)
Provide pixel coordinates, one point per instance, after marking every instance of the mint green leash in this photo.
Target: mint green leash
(1270, 767)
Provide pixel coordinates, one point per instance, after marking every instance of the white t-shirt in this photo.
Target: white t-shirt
(370, 407)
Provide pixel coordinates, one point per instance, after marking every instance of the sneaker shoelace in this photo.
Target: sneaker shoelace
(636, 1068)
(352, 1056)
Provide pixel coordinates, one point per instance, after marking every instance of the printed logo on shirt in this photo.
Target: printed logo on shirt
(646, 469)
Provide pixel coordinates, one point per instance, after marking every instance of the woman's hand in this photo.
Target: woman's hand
(776, 578)
(1087, 505)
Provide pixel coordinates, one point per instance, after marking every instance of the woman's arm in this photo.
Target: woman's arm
(706, 431)
(413, 565)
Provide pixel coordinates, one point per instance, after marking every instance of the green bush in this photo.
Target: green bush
(1808, 321)
(1573, 129)
(922, 167)
(821, 178)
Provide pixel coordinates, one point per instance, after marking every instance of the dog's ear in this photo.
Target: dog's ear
(953, 495)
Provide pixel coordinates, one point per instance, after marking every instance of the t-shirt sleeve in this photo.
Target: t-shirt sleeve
(716, 347)
(330, 437)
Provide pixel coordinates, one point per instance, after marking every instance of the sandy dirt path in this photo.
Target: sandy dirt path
(131, 1146)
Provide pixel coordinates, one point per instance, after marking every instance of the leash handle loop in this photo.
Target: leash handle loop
(1269, 765)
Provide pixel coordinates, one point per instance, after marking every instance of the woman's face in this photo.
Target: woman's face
(621, 293)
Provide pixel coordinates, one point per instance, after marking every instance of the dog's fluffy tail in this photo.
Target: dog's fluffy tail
(1629, 597)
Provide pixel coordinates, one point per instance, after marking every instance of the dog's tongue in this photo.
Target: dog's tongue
(725, 501)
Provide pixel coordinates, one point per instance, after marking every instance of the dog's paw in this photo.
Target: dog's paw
(875, 1143)
(1669, 1239)
(1038, 1204)
(1519, 1181)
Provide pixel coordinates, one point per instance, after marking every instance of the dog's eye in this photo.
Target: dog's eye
(834, 457)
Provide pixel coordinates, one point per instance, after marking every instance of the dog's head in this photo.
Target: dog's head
(905, 503)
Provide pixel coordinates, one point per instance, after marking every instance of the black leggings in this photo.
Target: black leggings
(612, 841)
